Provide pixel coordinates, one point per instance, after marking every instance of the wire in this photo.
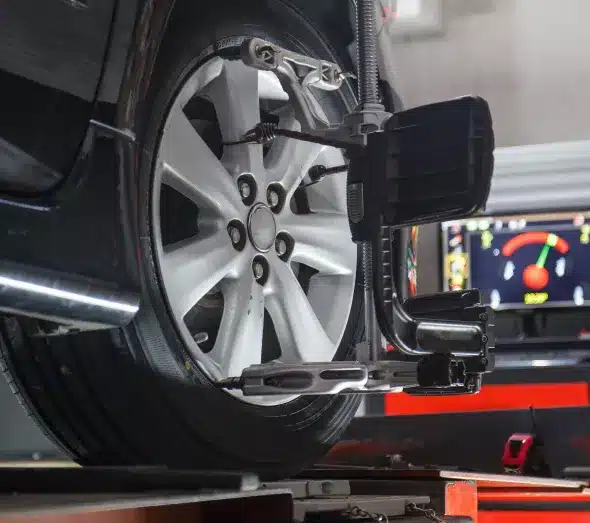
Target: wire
(264, 133)
(318, 172)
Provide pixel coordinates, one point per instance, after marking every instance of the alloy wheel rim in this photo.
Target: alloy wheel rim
(249, 254)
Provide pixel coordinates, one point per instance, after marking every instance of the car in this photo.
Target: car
(144, 256)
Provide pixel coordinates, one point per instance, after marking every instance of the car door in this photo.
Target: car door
(51, 57)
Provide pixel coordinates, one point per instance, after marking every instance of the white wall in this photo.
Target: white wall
(529, 58)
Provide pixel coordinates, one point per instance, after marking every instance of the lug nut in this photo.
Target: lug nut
(281, 246)
(237, 234)
(273, 198)
(258, 270)
(245, 190)
(284, 245)
(234, 234)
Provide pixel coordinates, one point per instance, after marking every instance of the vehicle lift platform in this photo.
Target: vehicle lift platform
(326, 493)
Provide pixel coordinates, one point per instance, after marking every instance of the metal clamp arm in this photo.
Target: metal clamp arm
(296, 73)
(324, 378)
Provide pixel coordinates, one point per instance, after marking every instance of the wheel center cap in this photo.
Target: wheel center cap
(262, 228)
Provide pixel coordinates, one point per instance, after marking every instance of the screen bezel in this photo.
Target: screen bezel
(533, 216)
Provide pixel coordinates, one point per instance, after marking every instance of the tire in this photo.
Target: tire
(132, 396)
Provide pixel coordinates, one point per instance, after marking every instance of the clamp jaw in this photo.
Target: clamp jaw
(431, 369)
(297, 73)
(424, 165)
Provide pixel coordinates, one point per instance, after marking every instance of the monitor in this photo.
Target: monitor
(520, 261)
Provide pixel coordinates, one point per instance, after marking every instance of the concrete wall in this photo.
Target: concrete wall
(529, 58)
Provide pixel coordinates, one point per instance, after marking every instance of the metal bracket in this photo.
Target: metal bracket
(297, 73)
(433, 337)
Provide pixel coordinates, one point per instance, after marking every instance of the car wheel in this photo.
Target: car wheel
(239, 266)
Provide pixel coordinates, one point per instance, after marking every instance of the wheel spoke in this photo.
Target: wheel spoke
(192, 267)
(288, 160)
(300, 334)
(200, 79)
(192, 169)
(322, 241)
(235, 96)
(239, 341)
(331, 297)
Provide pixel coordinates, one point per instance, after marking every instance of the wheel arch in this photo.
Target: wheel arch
(157, 20)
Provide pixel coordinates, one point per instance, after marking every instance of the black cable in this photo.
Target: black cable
(265, 133)
(318, 172)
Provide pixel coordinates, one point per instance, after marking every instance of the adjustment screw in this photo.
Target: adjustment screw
(235, 235)
(484, 339)
(245, 190)
(281, 246)
(273, 198)
(258, 270)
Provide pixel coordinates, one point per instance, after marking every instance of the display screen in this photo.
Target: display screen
(518, 262)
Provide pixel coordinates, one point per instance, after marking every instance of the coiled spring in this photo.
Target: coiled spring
(263, 133)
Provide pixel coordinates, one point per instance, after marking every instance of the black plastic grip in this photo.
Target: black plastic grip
(438, 336)
(430, 163)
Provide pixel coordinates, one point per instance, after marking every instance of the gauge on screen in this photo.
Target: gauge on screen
(536, 275)
(533, 261)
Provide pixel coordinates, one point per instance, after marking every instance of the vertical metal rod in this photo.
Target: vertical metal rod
(367, 67)
(366, 34)
(372, 331)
